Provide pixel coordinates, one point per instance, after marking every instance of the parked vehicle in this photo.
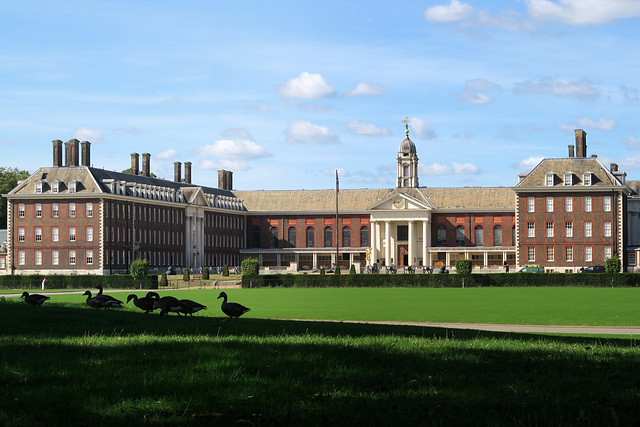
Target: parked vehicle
(594, 269)
(531, 268)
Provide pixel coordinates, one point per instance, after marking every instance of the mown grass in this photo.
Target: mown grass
(68, 364)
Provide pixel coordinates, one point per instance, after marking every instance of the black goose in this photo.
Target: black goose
(106, 297)
(145, 303)
(232, 309)
(34, 299)
(191, 307)
(169, 305)
(99, 301)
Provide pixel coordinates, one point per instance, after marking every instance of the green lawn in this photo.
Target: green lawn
(535, 306)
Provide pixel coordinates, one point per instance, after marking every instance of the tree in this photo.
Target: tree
(205, 274)
(139, 269)
(352, 269)
(225, 270)
(463, 267)
(185, 275)
(612, 265)
(9, 178)
(151, 174)
(250, 267)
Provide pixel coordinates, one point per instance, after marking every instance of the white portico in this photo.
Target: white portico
(401, 229)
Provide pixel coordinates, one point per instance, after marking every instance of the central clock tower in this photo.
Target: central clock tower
(407, 162)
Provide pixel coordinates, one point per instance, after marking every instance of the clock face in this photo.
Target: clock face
(398, 202)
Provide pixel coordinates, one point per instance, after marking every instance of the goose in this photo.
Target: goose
(169, 305)
(191, 307)
(232, 309)
(106, 297)
(99, 301)
(34, 299)
(145, 303)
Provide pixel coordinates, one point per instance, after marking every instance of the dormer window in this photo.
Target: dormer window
(548, 180)
(39, 187)
(586, 178)
(73, 185)
(568, 179)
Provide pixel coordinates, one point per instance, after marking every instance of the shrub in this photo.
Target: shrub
(163, 280)
(612, 265)
(205, 273)
(225, 270)
(322, 270)
(185, 275)
(352, 269)
(463, 266)
(250, 267)
(139, 269)
(337, 270)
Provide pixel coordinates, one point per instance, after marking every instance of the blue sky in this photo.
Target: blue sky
(284, 93)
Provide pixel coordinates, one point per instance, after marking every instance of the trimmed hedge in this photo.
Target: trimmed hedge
(114, 281)
(441, 280)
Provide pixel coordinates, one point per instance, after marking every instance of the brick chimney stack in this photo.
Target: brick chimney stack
(57, 153)
(187, 172)
(225, 180)
(177, 171)
(146, 164)
(581, 143)
(135, 163)
(86, 153)
(571, 152)
(71, 152)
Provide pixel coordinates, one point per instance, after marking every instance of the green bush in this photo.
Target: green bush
(139, 269)
(225, 270)
(352, 269)
(163, 280)
(205, 273)
(322, 270)
(250, 267)
(612, 265)
(463, 266)
(185, 275)
(76, 281)
(337, 270)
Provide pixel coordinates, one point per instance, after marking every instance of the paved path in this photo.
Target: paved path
(550, 329)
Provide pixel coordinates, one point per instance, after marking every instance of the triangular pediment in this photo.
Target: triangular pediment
(400, 201)
(195, 196)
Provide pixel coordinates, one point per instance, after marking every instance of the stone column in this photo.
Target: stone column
(426, 258)
(373, 242)
(412, 244)
(387, 243)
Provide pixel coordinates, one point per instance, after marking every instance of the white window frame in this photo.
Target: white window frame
(588, 229)
(568, 179)
(55, 234)
(568, 204)
(549, 204)
(606, 229)
(550, 253)
(548, 180)
(55, 257)
(22, 234)
(549, 229)
(55, 210)
(37, 259)
(38, 210)
(586, 179)
(89, 233)
(531, 204)
(72, 234)
(531, 253)
(588, 203)
(606, 203)
(588, 253)
(72, 257)
(73, 186)
(21, 210)
(89, 257)
(568, 253)
(72, 210)
(55, 187)
(568, 229)
(37, 234)
(39, 187)
(531, 229)
(606, 252)
(89, 210)
(631, 259)
(22, 257)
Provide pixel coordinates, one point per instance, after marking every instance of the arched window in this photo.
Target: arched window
(311, 237)
(346, 236)
(255, 237)
(460, 235)
(478, 234)
(497, 235)
(292, 237)
(442, 235)
(364, 236)
(274, 237)
(328, 237)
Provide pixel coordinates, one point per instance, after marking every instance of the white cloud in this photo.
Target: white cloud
(306, 86)
(475, 98)
(632, 143)
(529, 163)
(366, 129)
(232, 148)
(481, 84)
(582, 89)
(226, 164)
(583, 12)
(167, 154)
(303, 131)
(367, 89)
(602, 124)
(454, 168)
(91, 135)
(454, 11)
(421, 128)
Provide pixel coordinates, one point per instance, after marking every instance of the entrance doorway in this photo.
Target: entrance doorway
(403, 255)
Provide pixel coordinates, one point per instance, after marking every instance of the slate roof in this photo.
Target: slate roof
(578, 166)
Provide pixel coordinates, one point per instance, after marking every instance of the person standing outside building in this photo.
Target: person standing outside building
(44, 282)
